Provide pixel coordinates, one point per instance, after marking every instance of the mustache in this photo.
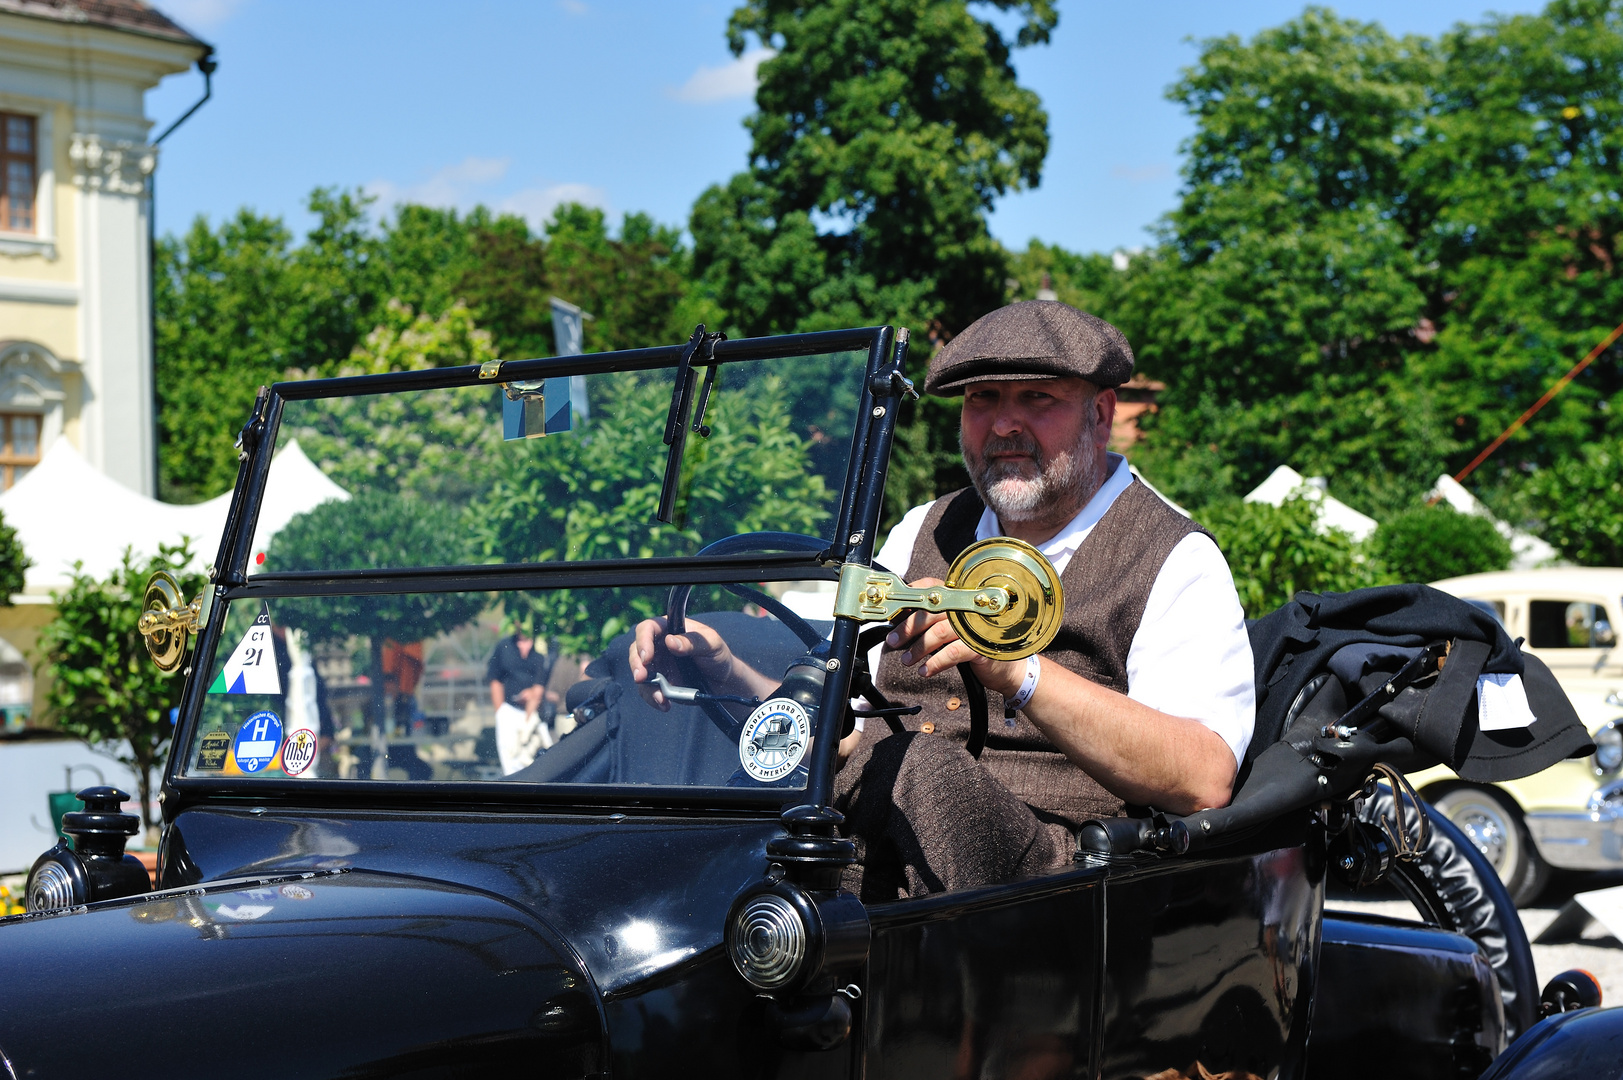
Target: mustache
(1011, 444)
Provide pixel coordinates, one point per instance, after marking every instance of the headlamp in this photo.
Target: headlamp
(1608, 747)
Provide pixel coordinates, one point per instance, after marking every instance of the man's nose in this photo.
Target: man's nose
(1007, 421)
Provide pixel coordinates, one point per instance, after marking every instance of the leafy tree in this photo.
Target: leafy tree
(14, 562)
(1579, 502)
(104, 687)
(374, 529)
(1429, 543)
(593, 495)
(1275, 552)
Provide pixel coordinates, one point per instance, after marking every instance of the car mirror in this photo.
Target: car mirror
(1602, 636)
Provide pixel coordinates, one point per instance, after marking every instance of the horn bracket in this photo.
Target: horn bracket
(1001, 596)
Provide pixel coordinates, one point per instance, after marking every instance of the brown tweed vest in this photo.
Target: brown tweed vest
(1106, 585)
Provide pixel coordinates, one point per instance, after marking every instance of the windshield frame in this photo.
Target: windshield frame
(859, 506)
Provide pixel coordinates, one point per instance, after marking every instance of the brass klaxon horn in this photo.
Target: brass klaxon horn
(167, 621)
(1001, 595)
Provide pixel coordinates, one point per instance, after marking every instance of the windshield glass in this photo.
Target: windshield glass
(532, 686)
(428, 478)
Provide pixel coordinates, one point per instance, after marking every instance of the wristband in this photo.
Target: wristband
(1028, 686)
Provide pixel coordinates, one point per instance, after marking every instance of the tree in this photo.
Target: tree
(105, 688)
(1579, 503)
(13, 563)
(1429, 543)
(375, 529)
(1275, 552)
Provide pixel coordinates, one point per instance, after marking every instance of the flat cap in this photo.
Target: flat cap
(1032, 339)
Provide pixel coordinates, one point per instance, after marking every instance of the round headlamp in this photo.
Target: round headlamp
(768, 940)
(1608, 747)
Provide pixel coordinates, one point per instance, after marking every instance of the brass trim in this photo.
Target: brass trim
(871, 595)
(490, 369)
(167, 622)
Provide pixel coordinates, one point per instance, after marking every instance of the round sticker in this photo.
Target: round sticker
(299, 752)
(257, 741)
(774, 739)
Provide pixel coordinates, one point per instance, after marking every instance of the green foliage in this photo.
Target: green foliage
(429, 443)
(105, 688)
(1386, 249)
(1275, 552)
(1579, 502)
(13, 563)
(1429, 543)
(599, 502)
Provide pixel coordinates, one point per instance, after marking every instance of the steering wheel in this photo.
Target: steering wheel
(677, 603)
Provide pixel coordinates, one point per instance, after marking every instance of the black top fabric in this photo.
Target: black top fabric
(516, 673)
(1298, 641)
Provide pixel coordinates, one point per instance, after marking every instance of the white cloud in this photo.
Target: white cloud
(731, 80)
(574, 7)
(200, 14)
(472, 181)
(537, 203)
(453, 185)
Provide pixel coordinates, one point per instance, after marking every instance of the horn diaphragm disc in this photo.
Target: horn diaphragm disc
(1036, 604)
(165, 643)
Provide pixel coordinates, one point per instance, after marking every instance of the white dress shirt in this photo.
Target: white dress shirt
(1191, 656)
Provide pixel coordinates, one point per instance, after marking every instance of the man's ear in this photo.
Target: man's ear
(1104, 417)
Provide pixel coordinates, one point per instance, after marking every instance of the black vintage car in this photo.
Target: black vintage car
(367, 871)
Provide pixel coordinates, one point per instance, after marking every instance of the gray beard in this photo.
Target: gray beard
(1059, 491)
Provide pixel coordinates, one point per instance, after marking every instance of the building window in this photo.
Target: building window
(18, 174)
(19, 446)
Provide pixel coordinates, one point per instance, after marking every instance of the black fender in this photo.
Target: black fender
(1587, 1043)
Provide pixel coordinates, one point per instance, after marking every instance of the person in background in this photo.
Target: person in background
(518, 673)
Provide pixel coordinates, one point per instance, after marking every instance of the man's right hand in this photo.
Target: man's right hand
(654, 652)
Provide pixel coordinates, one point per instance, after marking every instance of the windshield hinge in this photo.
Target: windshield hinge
(490, 369)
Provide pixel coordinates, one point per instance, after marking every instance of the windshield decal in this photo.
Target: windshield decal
(212, 750)
(251, 668)
(774, 740)
(258, 741)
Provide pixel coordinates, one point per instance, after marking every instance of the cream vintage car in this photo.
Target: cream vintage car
(1570, 816)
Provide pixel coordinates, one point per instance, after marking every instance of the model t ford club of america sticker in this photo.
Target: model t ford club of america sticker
(774, 739)
(257, 741)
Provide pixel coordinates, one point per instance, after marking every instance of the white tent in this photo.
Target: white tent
(1527, 550)
(65, 512)
(1333, 513)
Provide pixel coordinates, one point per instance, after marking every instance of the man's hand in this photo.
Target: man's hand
(654, 652)
(933, 646)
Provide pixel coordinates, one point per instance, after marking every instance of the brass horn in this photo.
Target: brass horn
(1027, 622)
(167, 621)
(1001, 596)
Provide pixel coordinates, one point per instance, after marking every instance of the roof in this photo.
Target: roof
(1595, 580)
(1333, 513)
(128, 15)
(66, 511)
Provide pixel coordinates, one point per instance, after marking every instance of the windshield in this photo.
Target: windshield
(447, 572)
(769, 453)
(528, 686)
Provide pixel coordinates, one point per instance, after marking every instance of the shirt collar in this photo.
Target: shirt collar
(1063, 544)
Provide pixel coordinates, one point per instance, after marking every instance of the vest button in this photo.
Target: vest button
(928, 727)
(953, 703)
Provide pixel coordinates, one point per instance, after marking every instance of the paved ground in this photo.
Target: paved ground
(1597, 952)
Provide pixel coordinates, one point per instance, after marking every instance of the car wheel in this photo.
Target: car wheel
(1494, 824)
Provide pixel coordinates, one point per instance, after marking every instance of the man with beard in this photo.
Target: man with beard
(1144, 698)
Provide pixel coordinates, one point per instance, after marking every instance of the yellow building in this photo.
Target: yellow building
(76, 162)
(75, 292)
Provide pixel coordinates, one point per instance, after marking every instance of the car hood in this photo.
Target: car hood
(634, 896)
(317, 974)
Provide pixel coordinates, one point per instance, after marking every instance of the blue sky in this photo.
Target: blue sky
(636, 105)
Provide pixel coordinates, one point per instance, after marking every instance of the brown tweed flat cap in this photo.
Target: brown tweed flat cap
(1033, 339)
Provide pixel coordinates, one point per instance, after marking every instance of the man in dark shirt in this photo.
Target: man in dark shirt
(518, 673)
